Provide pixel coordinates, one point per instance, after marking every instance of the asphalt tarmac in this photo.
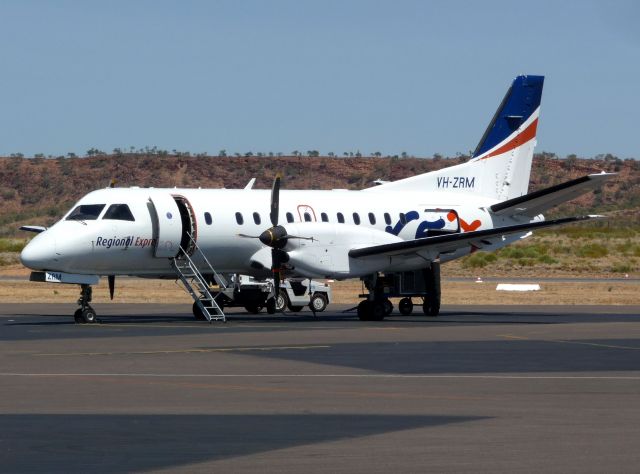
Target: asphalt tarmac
(478, 389)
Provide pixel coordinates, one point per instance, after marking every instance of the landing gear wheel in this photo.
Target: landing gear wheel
(371, 310)
(364, 310)
(378, 310)
(253, 309)
(197, 312)
(88, 315)
(282, 301)
(271, 306)
(85, 314)
(318, 302)
(388, 307)
(296, 309)
(405, 306)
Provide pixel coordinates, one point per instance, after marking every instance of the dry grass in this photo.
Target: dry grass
(133, 290)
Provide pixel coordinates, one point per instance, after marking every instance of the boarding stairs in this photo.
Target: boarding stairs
(195, 283)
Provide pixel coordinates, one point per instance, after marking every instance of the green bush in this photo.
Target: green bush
(479, 260)
(547, 259)
(592, 251)
(12, 245)
(622, 268)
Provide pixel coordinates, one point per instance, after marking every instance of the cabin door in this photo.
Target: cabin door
(167, 225)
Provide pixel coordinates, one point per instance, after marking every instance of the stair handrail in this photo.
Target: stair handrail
(198, 275)
(218, 278)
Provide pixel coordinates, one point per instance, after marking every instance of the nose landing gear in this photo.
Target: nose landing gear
(85, 313)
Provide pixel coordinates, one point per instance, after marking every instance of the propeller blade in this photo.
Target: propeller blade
(276, 266)
(112, 285)
(249, 236)
(275, 201)
(288, 236)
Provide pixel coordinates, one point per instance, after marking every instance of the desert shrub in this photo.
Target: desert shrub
(12, 245)
(593, 250)
(547, 259)
(479, 260)
(622, 268)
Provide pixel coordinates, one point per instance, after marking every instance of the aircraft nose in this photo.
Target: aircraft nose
(39, 253)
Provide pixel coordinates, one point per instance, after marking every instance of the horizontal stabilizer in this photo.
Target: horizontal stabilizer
(452, 242)
(537, 202)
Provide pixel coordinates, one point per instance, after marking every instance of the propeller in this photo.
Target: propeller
(112, 285)
(276, 236)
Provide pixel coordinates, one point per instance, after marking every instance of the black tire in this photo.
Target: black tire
(388, 307)
(89, 315)
(254, 309)
(296, 309)
(318, 302)
(282, 301)
(197, 312)
(378, 310)
(77, 316)
(405, 306)
(364, 310)
(271, 306)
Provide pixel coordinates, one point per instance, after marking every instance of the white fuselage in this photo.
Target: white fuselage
(103, 246)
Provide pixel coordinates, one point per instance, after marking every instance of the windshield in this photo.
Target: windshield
(86, 212)
(119, 212)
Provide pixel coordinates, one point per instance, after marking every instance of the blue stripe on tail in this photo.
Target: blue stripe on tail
(521, 100)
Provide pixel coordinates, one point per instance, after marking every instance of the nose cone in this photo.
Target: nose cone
(39, 254)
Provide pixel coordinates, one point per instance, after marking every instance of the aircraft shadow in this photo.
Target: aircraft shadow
(470, 357)
(127, 443)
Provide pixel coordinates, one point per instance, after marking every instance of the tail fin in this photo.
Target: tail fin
(501, 164)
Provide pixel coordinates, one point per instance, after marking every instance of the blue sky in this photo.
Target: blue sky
(389, 76)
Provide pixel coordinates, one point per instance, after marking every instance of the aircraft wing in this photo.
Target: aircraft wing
(537, 202)
(452, 242)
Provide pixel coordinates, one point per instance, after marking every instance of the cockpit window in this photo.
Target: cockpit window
(119, 212)
(86, 212)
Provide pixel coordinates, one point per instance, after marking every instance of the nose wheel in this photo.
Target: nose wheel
(85, 314)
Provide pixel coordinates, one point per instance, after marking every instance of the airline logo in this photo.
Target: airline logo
(129, 241)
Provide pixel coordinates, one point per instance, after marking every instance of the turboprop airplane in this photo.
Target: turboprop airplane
(201, 235)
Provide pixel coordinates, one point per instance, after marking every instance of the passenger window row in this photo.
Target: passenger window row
(306, 216)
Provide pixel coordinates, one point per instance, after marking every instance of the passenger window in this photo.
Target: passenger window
(372, 218)
(307, 217)
(324, 217)
(256, 218)
(86, 212)
(403, 218)
(207, 218)
(239, 218)
(289, 217)
(340, 218)
(119, 212)
(356, 218)
(387, 218)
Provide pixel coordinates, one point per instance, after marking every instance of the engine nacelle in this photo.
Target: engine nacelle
(326, 255)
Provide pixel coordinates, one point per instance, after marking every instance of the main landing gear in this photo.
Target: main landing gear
(423, 284)
(85, 313)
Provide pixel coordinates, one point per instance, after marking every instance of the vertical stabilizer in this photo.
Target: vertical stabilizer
(507, 144)
(501, 164)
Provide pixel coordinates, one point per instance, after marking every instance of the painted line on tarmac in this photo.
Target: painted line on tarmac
(184, 351)
(320, 376)
(562, 341)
